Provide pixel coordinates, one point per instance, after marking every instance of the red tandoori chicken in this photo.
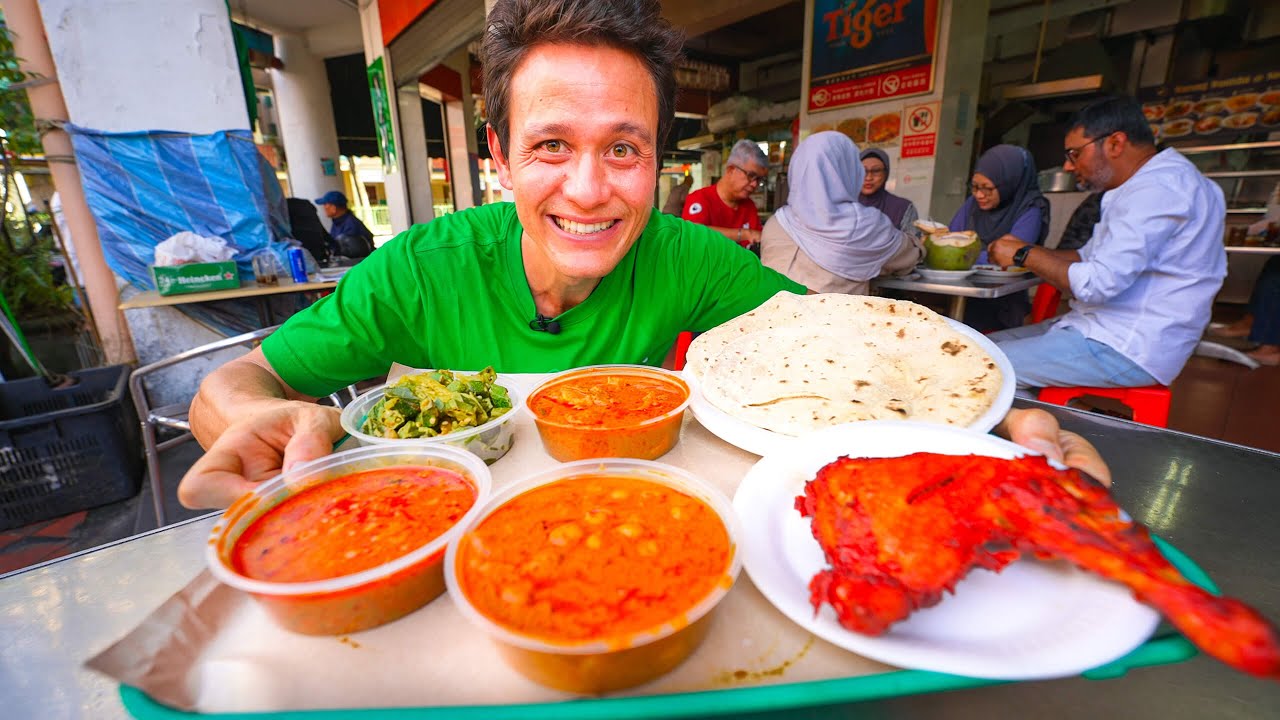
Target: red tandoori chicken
(900, 532)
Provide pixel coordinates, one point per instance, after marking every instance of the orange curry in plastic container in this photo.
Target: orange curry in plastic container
(597, 575)
(630, 411)
(350, 541)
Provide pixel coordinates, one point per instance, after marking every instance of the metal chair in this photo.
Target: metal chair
(175, 416)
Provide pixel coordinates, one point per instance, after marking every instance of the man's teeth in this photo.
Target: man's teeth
(578, 228)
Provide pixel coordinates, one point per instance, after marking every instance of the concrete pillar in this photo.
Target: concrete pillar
(460, 123)
(417, 166)
(47, 103)
(306, 118)
(397, 190)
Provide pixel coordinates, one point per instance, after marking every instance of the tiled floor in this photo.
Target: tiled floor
(1212, 398)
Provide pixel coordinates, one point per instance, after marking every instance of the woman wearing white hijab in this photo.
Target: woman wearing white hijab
(824, 238)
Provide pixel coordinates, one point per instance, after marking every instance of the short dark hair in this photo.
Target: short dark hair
(1118, 113)
(514, 27)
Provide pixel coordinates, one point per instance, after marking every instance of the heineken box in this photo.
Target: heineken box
(195, 277)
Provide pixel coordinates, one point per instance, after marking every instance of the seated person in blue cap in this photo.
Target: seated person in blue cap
(350, 236)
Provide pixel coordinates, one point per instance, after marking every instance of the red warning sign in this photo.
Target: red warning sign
(920, 131)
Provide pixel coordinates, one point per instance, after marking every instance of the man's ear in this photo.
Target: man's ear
(1118, 141)
(499, 157)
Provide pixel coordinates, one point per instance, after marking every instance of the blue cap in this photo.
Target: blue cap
(333, 197)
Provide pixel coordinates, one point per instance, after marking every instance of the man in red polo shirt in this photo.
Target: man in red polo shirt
(726, 207)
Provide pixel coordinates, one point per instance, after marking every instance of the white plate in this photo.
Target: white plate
(995, 271)
(755, 439)
(944, 275)
(1034, 620)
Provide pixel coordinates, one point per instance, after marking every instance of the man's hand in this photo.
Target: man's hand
(1000, 251)
(1039, 431)
(258, 448)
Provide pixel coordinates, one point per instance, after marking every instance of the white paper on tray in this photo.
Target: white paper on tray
(224, 654)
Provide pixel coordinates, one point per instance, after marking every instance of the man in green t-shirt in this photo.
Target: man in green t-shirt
(580, 270)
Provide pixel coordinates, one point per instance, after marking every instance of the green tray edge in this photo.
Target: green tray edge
(1163, 650)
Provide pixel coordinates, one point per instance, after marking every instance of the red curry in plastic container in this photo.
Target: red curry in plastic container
(351, 541)
(630, 411)
(597, 575)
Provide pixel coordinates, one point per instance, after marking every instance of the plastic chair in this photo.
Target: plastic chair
(1045, 303)
(682, 349)
(175, 416)
(1150, 403)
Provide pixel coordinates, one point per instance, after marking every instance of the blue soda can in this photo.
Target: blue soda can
(297, 265)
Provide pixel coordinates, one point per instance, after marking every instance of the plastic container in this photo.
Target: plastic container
(647, 440)
(489, 441)
(616, 662)
(362, 600)
(67, 449)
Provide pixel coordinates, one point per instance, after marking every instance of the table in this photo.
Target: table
(247, 289)
(970, 287)
(1213, 500)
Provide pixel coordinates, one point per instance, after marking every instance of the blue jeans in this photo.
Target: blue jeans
(1044, 355)
(1265, 305)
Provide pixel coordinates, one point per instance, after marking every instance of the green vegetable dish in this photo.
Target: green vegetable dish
(436, 403)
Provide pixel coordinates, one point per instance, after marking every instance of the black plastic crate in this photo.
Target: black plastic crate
(66, 450)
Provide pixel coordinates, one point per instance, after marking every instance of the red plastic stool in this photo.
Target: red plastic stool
(682, 348)
(1150, 403)
(1045, 303)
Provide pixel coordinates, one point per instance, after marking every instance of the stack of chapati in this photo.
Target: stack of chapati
(799, 363)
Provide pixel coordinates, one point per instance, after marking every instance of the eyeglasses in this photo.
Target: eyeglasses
(752, 178)
(1073, 154)
(875, 173)
(981, 189)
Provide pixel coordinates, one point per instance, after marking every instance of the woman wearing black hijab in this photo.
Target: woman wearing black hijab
(1006, 201)
(901, 211)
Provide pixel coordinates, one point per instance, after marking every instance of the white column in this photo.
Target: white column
(459, 117)
(417, 166)
(306, 118)
(394, 183)
(126, 66)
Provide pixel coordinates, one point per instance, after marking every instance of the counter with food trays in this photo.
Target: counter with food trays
(811, 514)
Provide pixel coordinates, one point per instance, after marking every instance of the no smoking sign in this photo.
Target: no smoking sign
(920, 137)
(922, 118)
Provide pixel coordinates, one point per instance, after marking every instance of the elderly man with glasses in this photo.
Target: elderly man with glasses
(726, 207)
(1144, 283)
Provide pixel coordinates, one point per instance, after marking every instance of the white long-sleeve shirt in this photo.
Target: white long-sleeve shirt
(1146, 281)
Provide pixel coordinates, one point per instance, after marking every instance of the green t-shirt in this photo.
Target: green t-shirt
(453, 294)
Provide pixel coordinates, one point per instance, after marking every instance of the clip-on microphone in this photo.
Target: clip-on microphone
(545, 324)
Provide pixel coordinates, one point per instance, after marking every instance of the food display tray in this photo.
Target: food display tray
(1164, 648)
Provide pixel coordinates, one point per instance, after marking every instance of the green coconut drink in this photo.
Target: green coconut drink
(951, 251)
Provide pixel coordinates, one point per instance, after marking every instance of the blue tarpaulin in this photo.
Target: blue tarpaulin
(144, 187)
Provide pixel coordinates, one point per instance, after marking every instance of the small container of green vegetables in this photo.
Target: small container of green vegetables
(438, 407)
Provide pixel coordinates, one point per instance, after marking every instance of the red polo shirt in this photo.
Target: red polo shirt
(706, 208)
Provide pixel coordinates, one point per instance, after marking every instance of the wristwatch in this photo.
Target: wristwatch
(1020, 255)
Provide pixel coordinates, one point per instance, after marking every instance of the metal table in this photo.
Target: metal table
(970, 287)
(1213, 500)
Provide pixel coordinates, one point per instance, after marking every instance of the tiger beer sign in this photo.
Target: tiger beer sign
(868, 50)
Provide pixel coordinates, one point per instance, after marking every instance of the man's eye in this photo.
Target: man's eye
(553, 146)
(621, 150)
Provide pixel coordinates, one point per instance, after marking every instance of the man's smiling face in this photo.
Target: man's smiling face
(581, 158)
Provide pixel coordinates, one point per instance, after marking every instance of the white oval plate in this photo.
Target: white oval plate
(1034, 620)
(755, 439)
(944, 275)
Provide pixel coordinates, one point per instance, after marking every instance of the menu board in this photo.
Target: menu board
(869, 50)
(880, 129)
(1214, 109)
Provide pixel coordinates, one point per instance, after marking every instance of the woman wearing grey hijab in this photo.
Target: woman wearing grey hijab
(901, 211)
(1006, 201)
(824, 238)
